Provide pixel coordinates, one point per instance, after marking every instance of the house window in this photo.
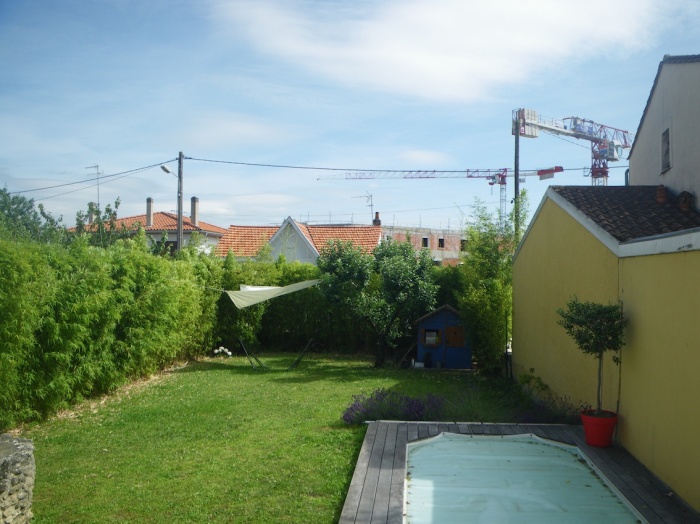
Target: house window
(666, 150)
(463, 245)
(387, 237)
(441, 243)
(424, 243)
(432, 337)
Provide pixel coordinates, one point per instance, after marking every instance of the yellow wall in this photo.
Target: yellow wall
(558, 260)
(659, 401)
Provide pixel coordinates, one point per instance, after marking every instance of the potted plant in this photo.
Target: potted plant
(596, 328)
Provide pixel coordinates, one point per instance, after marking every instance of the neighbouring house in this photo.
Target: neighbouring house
(638, 244)
(295, 240)
(446, 246)
(665, 149)
(156, 223)
(443, 341)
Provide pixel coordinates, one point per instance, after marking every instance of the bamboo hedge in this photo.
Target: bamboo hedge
(79, 321)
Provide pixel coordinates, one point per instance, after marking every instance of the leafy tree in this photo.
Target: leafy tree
(19, 219)
(488, 269)
(162, 247)
(596, 328)
(101, 226)
(452, 285)
(388, 290)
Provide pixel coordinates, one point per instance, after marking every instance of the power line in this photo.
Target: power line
(355, 169)
(122, 174)
(318, 168)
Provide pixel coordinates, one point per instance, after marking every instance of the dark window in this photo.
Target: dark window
(432, 337)
(666, 150)
(424, 243)
(441, 243)
(463, 245)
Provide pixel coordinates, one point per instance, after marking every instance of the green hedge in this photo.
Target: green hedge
(79, 320)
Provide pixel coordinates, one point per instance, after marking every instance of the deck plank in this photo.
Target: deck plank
(369, 489)
(380, 511)
(395, 515)
(377, 487)
(352, 499)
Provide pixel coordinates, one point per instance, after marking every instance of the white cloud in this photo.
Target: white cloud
(420, 158)
(443, 49)
(209, 129)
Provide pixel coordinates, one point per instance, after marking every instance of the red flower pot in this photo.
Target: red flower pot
(598, 428)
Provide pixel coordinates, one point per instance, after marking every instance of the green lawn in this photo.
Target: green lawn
(216, 441)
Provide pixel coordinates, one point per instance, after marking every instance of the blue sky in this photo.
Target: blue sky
(357, 84)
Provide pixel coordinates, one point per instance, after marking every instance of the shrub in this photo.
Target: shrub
(383, 404)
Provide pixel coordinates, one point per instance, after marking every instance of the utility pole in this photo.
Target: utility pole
(180, 159)
(516, 177)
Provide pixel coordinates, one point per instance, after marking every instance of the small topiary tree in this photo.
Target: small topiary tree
(596, 328)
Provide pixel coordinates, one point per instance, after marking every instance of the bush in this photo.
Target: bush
(383, 404)
(79, 320)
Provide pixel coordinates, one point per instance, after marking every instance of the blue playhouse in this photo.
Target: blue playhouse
(443, 341)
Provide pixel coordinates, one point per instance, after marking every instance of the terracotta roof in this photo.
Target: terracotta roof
(668, 59)
(165, 222)
(365, 237)
(245, 241)
(630, 212)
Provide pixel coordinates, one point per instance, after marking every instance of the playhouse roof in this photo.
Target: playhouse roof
(437, 311)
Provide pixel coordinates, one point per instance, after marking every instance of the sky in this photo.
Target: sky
(96, 95)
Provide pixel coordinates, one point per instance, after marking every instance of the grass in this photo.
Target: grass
(216, 441)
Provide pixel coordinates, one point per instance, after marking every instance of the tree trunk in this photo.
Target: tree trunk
(380, 356)
(599, 404)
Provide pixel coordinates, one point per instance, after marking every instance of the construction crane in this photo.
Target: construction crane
(607, 143)
(495, 177)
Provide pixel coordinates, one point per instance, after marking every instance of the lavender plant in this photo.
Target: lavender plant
(383, 404)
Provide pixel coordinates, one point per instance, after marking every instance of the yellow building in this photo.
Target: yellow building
(606, 244)
(640, 245)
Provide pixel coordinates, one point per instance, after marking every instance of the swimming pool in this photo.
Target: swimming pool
(454, 478)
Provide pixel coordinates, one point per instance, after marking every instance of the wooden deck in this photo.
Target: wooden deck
(377, 486)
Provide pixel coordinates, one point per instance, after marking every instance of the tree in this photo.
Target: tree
(596, 328)
(488, 267)
(20, 219)
(387, 290)
(101, 226)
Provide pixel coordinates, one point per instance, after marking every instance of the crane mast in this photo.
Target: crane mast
(607, 143)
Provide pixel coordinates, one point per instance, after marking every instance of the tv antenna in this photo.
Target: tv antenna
(97, 173)
(368, 196)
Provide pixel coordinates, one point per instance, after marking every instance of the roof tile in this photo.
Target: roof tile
(246, 241)
(164, 222)
(630, 212)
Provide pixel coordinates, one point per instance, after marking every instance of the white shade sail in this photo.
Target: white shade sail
(249, 295)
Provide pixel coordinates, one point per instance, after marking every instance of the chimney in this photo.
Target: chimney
(376, 221)
(194, 214)
(149, 212)
(685, 201)
(661, 195)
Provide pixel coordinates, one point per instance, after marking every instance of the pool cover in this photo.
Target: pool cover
(506, 479)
